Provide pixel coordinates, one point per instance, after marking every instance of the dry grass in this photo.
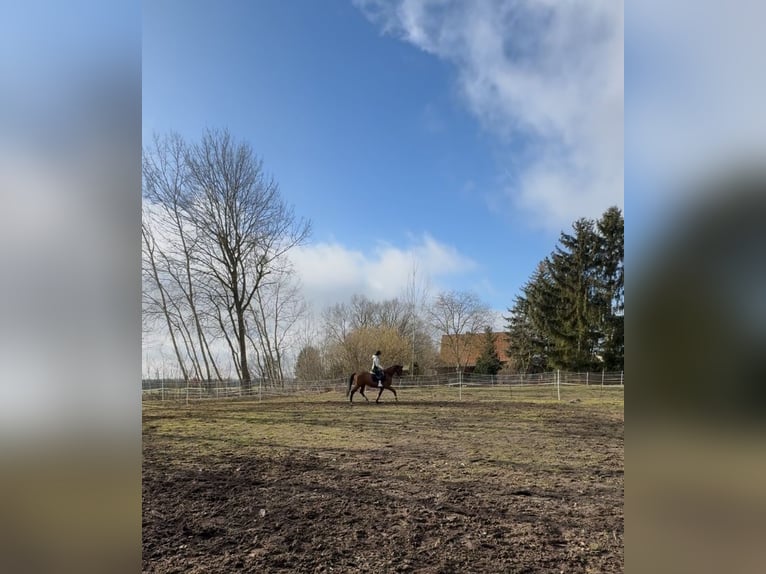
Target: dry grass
(482, 484)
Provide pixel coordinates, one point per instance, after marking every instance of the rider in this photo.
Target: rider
(377, 369)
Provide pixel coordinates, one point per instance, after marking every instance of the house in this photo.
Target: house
(468, 347)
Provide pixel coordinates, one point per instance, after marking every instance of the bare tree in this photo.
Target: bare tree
(165, 189)
(276, 309)
(242, 229)
(215, 233)
(351, 330)
(394, 314)
(415, 299)
(454, 314)
(155, 298)
(308, 365)
(363, 312)
(355, 352)
(337, 323)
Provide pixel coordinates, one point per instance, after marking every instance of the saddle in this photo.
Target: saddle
(377, 377)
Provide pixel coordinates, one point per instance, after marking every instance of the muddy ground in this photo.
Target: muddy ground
(420, 486)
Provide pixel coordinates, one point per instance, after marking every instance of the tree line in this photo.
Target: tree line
(404, 329)
(219, 288)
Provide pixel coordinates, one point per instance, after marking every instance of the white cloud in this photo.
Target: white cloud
(330, 272)
(546, 78)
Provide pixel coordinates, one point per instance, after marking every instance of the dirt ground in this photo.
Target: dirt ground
(316, 485)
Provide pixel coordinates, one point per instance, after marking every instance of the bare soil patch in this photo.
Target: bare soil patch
(314, 485)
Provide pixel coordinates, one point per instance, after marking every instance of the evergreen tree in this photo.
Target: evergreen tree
(527, 344)
(520, 333)
(611, 256)
(574, 321)
(488, 362)
(570, 314)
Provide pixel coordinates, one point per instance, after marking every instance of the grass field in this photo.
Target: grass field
(489, 483)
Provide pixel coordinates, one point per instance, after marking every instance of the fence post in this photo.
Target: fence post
(622, 380)
(187, 392)
(162, 389)
(558, 383)
(602, 376)
(586, 377)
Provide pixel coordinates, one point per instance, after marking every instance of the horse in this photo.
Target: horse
(362, 379)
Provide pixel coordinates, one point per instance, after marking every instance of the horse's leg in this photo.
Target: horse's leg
(351, 395)
(386, 383)
(393, 390)
(361, 392)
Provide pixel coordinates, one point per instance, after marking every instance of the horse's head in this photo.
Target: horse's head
(396, 371)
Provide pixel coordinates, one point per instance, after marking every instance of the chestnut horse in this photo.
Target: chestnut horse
(362, 379)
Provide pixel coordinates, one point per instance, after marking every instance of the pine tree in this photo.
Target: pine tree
(527, 342)
(488, 362)
(570, 314)
(520, 333)
(574, 319)
(611, 256)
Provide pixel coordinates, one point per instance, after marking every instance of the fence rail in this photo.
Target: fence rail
(549, 383)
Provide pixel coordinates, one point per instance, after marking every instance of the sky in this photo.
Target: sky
(455, 138)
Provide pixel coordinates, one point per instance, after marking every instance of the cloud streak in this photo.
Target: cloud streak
(545, 78)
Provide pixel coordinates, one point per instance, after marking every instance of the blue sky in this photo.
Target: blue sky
(461, 137)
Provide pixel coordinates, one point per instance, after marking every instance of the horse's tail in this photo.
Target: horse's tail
(350, 380)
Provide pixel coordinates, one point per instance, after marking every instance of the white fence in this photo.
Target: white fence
(554, 384)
